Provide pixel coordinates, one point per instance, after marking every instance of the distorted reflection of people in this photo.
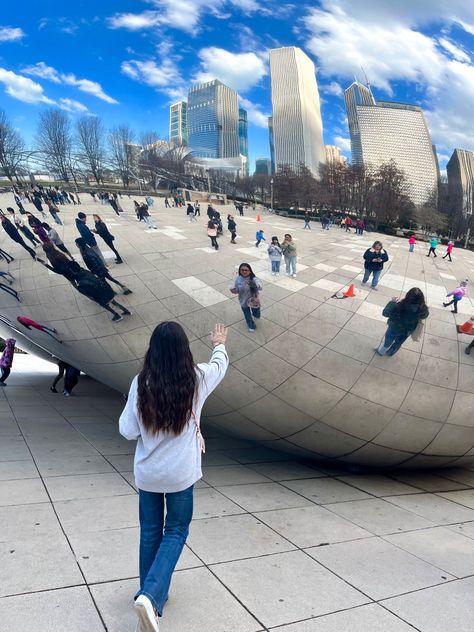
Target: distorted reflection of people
(12, 231)
(103, 232)
(96, 266)
(32, 324)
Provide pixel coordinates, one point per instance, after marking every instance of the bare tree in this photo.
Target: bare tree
(54, 140)
(124, 153)
(12, 147)
(90, 145)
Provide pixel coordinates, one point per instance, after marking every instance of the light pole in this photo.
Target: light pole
(271, 195)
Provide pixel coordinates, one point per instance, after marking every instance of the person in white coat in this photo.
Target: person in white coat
(162, 414)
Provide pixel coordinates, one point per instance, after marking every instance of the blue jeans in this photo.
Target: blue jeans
(290, 265)
(248, 313)
(375, 276)
(56, 218)
(412, 247)
(162, 540)
(392, 343)
(275, 266)
(306, 224)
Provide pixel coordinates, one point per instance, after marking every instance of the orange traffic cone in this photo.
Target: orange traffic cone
(466, 328)
(259, 219)
(350, 292)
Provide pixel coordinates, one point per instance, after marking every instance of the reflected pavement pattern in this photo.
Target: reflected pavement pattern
(308, 380)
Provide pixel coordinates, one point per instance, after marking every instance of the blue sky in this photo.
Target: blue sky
(126, 61)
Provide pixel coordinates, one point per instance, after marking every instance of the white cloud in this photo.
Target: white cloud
(180, 14)
(254, 113)
(333, 88)
(385, 38)
(23, 88)
(456, 52)
(10, 34)
(49, 73)
(239, 71)
(70, 105)
(163, 76)
(343, 143)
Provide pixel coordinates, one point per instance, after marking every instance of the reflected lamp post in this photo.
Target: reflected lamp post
(271, 195)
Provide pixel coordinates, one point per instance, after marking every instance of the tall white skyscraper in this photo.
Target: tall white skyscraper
(460, 170)
(356, 94)
(297, 127)
(178, 123)
(398, 132)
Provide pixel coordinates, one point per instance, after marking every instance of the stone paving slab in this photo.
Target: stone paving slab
(276, 543)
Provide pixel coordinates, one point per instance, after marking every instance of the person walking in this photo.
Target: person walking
(12, 231)
(19, 223)
(103, 232)
(348, 224)
(360, 226)
(232, 228)
(259, 237)
(342, 222)
(162, 414)
(241, 209)
(96, 266)
(288, 248)
(197, 209)
(54, 211)
(212, 234)
(56, 239)
(247, 287)
(405, 318)
(411, 242)
(307, 219)
(70, 380)
(433, 243)
(38, 204)
(114, 204)
(88, 236)
(146, 217)
(458, 294)
(6, 360)
(275, 254)
(167, 203)
(449, 250)
(62, 367)
(374, 259)
(190, 213)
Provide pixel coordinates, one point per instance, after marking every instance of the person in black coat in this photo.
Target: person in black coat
(96, 266)
(102, 230)
(232, 227)
(12, 231)
(374, 258)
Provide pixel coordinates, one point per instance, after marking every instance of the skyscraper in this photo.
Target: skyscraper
(460, 170)
(263, 167)
(272, 144)
(213, 120)
(243, 136)
(388, 131)
(296, 114)
(334, 156)
(178, 123)
(356, 94)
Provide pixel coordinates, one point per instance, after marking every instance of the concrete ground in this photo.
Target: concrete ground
(275, 543)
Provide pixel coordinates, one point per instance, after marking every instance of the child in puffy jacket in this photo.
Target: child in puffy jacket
(449, 250)
(457, 295)
(433, 244)
(412, 242)
(259, 237)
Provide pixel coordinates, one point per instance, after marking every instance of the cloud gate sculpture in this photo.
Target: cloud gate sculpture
(308, 380)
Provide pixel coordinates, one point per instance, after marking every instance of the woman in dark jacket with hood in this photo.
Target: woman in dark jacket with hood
(12, 231)
(374, 258)
(95, 265)
(403, 318)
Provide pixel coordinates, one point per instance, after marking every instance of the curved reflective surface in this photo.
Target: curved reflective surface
(308, 380)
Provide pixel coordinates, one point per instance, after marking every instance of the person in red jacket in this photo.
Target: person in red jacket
(348, 224)
(32, 324)
(449, 250)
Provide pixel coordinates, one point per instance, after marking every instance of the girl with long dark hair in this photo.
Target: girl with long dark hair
(247, 286)
(102, 230)
(162, 413)
(405, 317)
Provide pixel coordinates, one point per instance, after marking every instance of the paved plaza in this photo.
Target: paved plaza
(276, 543)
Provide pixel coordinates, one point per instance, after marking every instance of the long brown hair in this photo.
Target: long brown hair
(167, 382)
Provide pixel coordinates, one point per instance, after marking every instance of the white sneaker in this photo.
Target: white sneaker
(294, 276)
(146, 614)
